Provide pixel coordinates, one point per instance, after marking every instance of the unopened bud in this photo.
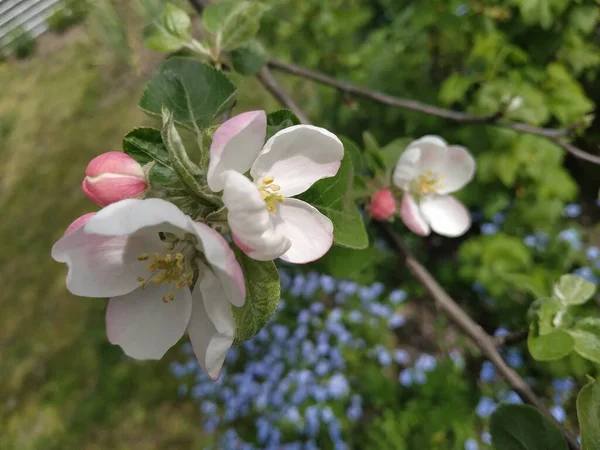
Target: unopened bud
(81, 221)
(112, 177)
(383, 205)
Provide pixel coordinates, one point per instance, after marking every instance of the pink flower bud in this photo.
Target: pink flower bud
(112, 177)
(81, 221)
(383, 205)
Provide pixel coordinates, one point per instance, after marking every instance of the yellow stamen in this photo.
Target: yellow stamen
(275, 187)
(170, 269)
(143, 257)
(270, 193)
(427, 183)
(268, 180)
(141, 279)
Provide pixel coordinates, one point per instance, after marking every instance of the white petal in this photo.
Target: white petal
(145, 326)
(412, 218)
(299, 156)
(223, 261)
(457, 171)
(103, 266)
(131, 216)
(309, 231)
(235, 145)
(407, 168)
(250, 221)
(446, 215)
(212, 326)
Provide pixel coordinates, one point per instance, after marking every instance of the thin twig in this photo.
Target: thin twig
(555, 135)
(272, 85)
(511, 338)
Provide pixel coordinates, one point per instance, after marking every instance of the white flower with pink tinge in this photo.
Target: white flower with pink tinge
(265, 221)
(427, 172)
(146, 255)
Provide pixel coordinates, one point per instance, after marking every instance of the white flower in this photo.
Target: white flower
(265, 221)
(427, 172)
(145, 256)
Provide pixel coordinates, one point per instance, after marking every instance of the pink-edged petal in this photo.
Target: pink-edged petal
(446, 215)
(412, 218)
(434, 153)
(250, 222)
(407, 168)
(309, 231)
(144, 325)
(235, 145)
(223, 261)
(79, 222)
(457, 171)
(131, 216)
(212, 326)
(102, 266)
(299, 156)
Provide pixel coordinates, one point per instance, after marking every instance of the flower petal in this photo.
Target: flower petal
(446, 215)
(457, 171)
(222, 259)
(212, 326)
(144, 325)
(102, 266)
(412, 218)
(131, 216)
(309, 231)
(250, 222)
(79, 222)
(235, 145)
(407, 168)
(299, 156)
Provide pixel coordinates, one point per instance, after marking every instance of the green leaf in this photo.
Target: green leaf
(215, 14)
(240, 25)
(346, 263)
(574, 290)
(550, 313)
(586, 334)
(249, 59)
(334, 198)
(588, 413)
(555, 345)
(392, 151)
(278, 120)
(262, 296)
(194, 92)
(522, 427)
(145, 145)
(171, 31)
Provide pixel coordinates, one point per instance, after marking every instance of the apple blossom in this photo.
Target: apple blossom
(164, 274)
(427, 172)
(383, 205)
(265, 220)
(112, 177)
(79, 222)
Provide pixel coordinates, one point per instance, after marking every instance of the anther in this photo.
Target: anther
(268, 180)
(143, 257)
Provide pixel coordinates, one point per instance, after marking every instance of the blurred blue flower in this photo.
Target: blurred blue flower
(559, 413)
(571, 236)
(530, 241)
(488, 372)
(514, 358)
(317, 307)
(425, 363)
(398, 296)
(338, 386)
(405, 378)
(383, 356)
(461, 10)
(471, 444)
(593, 253)
(572, 210)
(396, 321)
(401, 356)
(486, 438)
(328, 283)
(489, 228)
(485, 407)
(587, 273)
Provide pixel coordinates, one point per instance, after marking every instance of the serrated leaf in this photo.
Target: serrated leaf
(278, 120)
(555, 345)
(588, 413)
(262, 296)
(171, 31)
(249, 59)
(586, 334)
(194, 92)
(522, 427)
(145, 145)
(335, 199)
(574, 290)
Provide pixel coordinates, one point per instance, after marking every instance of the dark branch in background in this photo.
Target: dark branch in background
(199, 5)
(272, 85)
(511, 338)
(555, 135)
(486, 343)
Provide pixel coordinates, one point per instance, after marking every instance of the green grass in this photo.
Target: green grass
(62, 385)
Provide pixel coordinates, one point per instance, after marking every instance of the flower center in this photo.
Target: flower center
(427, 183)
(270, 193)
(170, 268)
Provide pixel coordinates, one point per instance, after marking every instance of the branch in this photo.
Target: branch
(276, 90)
(480, 338)
(511, 338)
(555, 135)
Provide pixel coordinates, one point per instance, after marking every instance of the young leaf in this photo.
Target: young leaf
(171, 31)
(278, 120)
(555, 345)
(522, 427)
(262, 296)
(250, 58)
(574, 290)
(334, 198)
(588, 413)
(215, 14)
(145, 145)
(586, 334)
(194, 92)
(240, 25)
